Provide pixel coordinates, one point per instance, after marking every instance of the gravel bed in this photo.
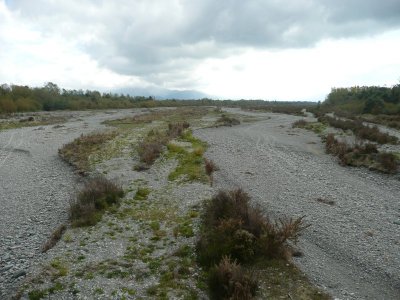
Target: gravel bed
(352, 248)
(35, 188)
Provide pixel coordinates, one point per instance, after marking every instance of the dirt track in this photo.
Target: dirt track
(352, 248)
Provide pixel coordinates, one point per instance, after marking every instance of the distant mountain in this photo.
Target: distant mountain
(161, 93)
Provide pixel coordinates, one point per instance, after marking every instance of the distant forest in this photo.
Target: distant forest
(18, 98)
(354, 100)
(364, 100)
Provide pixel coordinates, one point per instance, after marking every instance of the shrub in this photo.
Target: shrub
(232, 227)
(360, 130)
(388, 161)
(97, 195)
(300, 123)
(366, 155)
(228, 280)
(150, 150)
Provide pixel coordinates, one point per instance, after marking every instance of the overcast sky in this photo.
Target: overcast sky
(252, 49)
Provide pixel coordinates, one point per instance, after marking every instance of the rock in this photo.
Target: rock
(19, 274)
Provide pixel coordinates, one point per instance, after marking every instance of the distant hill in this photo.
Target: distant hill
(161, 94)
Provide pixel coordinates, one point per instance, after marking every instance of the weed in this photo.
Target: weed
(97, 195)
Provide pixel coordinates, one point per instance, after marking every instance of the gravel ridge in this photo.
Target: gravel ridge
(352, 248)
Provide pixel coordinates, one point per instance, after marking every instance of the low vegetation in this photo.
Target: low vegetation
(233, 233)
(360, 130)
(150, 148)
(77, 153)
(30, 121)
(191, 164)
(97, 195)
(226, 120)
(365, 155)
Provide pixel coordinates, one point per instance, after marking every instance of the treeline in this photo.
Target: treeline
(18, 98)
(366, 99)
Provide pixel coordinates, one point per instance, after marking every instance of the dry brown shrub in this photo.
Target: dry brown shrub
(228, 280)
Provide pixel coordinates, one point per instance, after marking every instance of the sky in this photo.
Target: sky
(229, 49)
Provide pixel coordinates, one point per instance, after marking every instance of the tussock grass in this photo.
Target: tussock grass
(97, 195)
(77, 152)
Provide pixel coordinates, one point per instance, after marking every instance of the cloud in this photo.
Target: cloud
(148, 36)
(164, 42)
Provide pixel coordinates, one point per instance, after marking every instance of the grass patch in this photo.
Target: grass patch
(98, 195)
(190, 161)
(77, 152)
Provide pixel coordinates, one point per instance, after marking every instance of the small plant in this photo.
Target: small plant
(97, 195)
(228, 280)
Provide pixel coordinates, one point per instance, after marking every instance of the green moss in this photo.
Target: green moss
(37, 294)
(142, 193)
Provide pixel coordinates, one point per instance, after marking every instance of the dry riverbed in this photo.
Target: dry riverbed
(144, 248)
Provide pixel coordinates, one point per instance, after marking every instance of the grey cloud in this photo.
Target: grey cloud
(151, 38)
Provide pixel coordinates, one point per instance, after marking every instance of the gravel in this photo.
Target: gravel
(35, 188)
(352, 248)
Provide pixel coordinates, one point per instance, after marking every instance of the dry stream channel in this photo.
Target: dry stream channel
(351, 249)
